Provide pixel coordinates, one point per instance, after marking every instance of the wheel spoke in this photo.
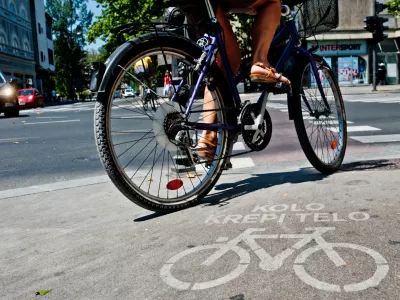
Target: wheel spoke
(142, 134)
(324, 131)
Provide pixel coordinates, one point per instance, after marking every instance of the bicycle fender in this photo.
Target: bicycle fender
(112, 62)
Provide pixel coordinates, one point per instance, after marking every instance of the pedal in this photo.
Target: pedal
(278, 88)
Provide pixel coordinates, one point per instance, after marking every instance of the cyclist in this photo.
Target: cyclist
(268, 15)
(144, 72)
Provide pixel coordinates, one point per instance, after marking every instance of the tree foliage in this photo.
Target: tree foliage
(242, 25)
(71, 20)
(394, 7)
(119, 12)
(93, 56)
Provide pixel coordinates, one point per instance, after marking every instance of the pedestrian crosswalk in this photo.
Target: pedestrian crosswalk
(274, 102)
(384, 99)
(82, 106)
(361, 132)
(366, 138)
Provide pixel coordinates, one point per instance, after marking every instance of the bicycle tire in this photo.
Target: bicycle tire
(142, 45)
(317, 162)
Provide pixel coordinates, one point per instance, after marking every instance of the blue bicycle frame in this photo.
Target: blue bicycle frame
(216, 44)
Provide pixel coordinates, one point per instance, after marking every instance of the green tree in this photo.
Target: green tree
(71, 20)
(394, 7)
(119, 12)
(242, 25)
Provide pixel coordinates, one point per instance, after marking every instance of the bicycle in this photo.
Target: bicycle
(269, 263)
(156, 165)
(149, 96)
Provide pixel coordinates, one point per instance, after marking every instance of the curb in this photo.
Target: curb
(51, 187)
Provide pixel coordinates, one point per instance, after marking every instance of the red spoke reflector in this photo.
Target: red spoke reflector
(334, 145)
(174, 184)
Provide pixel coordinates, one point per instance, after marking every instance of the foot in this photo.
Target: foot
(207, 145)
(263, 74)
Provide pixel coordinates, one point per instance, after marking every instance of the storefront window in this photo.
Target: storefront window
(345, 57)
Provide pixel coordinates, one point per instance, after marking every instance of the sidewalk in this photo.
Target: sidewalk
(367, 89)
(88, 241)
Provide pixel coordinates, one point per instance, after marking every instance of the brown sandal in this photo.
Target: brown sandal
(207, 152)
(266, 78)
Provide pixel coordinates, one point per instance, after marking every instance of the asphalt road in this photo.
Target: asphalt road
(57, 143)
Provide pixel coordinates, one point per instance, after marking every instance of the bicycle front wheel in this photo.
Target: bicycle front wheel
(139, 146)
(320, 125)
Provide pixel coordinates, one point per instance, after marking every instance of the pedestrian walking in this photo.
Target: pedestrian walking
(53, 96)
(167, 83)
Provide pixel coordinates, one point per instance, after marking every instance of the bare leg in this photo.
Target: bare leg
(266, 22)
(233, 53)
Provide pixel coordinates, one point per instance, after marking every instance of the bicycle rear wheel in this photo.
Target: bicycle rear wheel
(138, 147)
(321, 129)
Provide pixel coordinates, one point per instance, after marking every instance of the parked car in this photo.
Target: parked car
(30, 97)
(128, 93)
(8, 99)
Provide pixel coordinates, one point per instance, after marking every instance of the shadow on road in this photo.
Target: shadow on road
(372, 165)
(227, 191)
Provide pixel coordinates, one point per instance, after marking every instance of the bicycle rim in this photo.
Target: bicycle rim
(148, 161)
(322, 130)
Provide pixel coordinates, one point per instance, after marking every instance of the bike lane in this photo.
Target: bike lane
(260, 234)
(307, 236)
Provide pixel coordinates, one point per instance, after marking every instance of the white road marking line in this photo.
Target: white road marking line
(137, 117)
(242, 162)
(51, 117)
(237, 163)
(381, 100)
(132, 131)
(48, 122)
(358, 128)
(18, 139)
(277, 105)
(127, 115)
(239, 146)
(331, 122)
(386, 138)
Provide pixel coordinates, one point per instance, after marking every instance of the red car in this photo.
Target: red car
(30, 98)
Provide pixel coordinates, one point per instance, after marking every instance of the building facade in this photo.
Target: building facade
(16, 41)
(44, 49)
(26, 47)
(348, 49)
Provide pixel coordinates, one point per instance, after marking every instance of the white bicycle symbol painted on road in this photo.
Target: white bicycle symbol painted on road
(269, 263)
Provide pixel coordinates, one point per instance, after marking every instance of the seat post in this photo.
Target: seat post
(210, 10)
